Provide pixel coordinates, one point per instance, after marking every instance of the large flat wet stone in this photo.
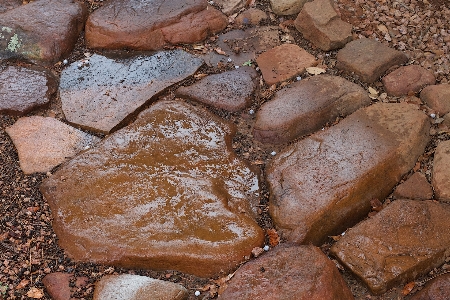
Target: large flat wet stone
(165, 192)
(43, 143)
(41, 31)
(23, 89)
(405, 240)
(323, 184)
(152, 24)
(441, 171)
(302, 273)
(306, 106)
(230, 90)
(102, 93)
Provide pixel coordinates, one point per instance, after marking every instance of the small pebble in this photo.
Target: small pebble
(251, 111)
(197, 293)
(229, 59)
(80, 65)
(266, 248)
(65, 61)
(273, 153)
(433, 115)
(299, 78)
(236, 67)
(257, 68)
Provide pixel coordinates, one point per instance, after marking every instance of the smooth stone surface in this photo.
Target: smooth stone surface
(251, 16)
(302, 273)
(151, 24)
(436, 289)
(23, 89)
(135, 287)
(287, 7)
(407, 80)
(231, 6)
(9, 4)
(437, 97)
(405, 240)
(368, 59)
(441, 171)
(166, 192)
(58, 285)
(319, 23)
(42, 31)
(43, 143)
(416, 187)
(231, 90)
(102, 94)
(284, 62)
(323, 184)
(306, 106)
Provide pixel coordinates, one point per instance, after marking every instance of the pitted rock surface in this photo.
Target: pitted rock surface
(405, 240)
(152, 24)
(23, 89)
(251, 16)
(284, 62)
(43, 143)
(230, 90)
(135, 287)
(58, 285)
(9, 4)
(441, 171)
(166, 192)
(416, 187)
(231, 6)
(436, 289)
(302, 273)
(101, 94)
(407, 80)
(319, 23)
(368, 59)
(42, 31)
(306, 106)
(437, 97)
(287, 7)
(323, 184)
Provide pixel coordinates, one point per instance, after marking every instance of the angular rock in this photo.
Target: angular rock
(230, 6)
(368, 59)
(24, 89)
(166, 192)
(277, 275)
(251, 16)
(43, 143)
(437, 97)
(441, 171)
(230, 90)
(306, 106)
(42, 31)
(101, 94)
(284, 62)
(405, 240)
(135, 287)
(9, 4)
(287, 7)
(323, 184)
(151, 24)
(58, 285)
(436, 289)
(416, 187)
(407, 80)
(321, 25)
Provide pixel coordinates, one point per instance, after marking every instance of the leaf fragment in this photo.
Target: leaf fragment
(315, 70)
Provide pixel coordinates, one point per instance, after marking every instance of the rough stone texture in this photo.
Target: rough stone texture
(230, 90)
(23, 89)
(284, 62)
(306, 106)
(407, 80)
(58, 285)
(43, 143)
(152, 24)
(135, 287)
(302, 273)
(441, 171)
(436, 289)
(323, 184)
(437, 97)
(287, 7)
(368, 59)
(405, 240)
(9, 4)
(416, 187)
(230, 6)
(42, 31)
(319, 23)
(101, 94)
(251, 16)
(166, 192)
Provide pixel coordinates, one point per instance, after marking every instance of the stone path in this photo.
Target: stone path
(165, 190)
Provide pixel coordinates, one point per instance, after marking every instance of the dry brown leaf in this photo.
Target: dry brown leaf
(376, 205)
(257, 162)
(35, 293)
(3, 236)
(220, 51)
(383, 28)
(200, 76)
(315, 70)
(198, 47)
(408, 288)
(274, 238)
(372, 91)
(22, 284)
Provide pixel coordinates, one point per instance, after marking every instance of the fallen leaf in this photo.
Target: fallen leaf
(383, 28)
(274, 238)
(22, 284)
(200, 76)
(376, 204)
(198, 47)
(257, 162)
(315, 70)
(220, 51)
(408, 288)
(35, 293)
(257, 251)
(372, 91)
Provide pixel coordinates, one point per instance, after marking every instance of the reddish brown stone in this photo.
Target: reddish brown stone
(251, 16)
(58, 285)
(405, 240)
(436, 289)
(437, 97)
(301, 273)
(441, 171)
(416, 187)
(407, 80)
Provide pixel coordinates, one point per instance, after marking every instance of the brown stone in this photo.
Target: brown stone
(416, 187)
(319, 23)
(405, 240)
(301, 273)
(407, 80)
(230, 90)
(165, 192)
(436, 289)
(42, 31)
(441, 171)
(231, 6)
(151, 25)
(368, 59)
(58, 285)
(9, 4)
(323, 184)
(306, 106)
(43, 143)
(437, 97)
(251, 16)
(284, 62)
(287, 7)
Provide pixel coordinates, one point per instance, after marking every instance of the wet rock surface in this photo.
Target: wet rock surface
(441, 171)
(416, 187)
(407, 80)
(437, 97)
